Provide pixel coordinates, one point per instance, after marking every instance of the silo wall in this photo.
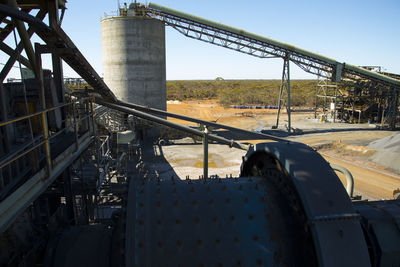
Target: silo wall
(134, 59)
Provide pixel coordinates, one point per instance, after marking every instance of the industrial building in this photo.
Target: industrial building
(83, 181)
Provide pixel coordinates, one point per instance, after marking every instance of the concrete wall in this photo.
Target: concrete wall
(134, 59)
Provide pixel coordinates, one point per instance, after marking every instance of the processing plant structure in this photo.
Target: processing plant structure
(79, 183)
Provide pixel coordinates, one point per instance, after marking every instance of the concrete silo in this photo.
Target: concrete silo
(134, 58)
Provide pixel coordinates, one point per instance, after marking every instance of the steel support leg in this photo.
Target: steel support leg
(288, 95)
(285, 84)
(42, 100)
(4, 117)
(52, 7)
(394, 110)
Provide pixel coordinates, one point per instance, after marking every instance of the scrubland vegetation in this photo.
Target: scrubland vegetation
(242, 92)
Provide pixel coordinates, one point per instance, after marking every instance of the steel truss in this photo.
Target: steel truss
(240, 43)
(243, 42)
(42, 160)
(258, 46)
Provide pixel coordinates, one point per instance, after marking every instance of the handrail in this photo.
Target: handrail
(4, 123)
(9, 160)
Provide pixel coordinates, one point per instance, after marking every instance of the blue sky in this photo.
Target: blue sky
(359, 32)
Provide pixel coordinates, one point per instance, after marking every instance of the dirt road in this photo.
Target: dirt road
(371, 184)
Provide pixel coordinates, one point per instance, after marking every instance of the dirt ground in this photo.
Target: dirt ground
(371, 180)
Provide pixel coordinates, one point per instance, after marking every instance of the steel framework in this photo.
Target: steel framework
(262, 47)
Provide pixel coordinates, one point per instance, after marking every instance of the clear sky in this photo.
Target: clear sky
(359, 32)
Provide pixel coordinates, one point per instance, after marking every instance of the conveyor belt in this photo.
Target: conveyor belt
(256, 45)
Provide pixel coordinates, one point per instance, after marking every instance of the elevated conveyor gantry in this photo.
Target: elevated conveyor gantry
(262, 47)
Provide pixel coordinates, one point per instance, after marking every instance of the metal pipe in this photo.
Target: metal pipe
(165, 122)
(185, 118)
(205, 152)
(349, 177)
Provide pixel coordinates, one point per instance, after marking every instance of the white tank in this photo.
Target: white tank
(134, 59)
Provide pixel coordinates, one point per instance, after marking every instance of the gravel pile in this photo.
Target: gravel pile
(387, 152)
(390, 143)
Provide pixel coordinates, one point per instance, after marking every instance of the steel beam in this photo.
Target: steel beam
(4, 117)
(71, 55)
(285, 86)
(12, 53)
(260, 46)
(23, 34)
(52, 7)
(16, 55)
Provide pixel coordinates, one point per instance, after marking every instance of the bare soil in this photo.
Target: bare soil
(345, 145)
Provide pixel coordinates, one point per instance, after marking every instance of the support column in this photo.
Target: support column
(54, 21)
(6, 129)
(285, 84)
(316, 100)
(394, 109)
(42, 100)
(52, 7)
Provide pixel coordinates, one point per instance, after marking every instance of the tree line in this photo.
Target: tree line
(242, 92)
